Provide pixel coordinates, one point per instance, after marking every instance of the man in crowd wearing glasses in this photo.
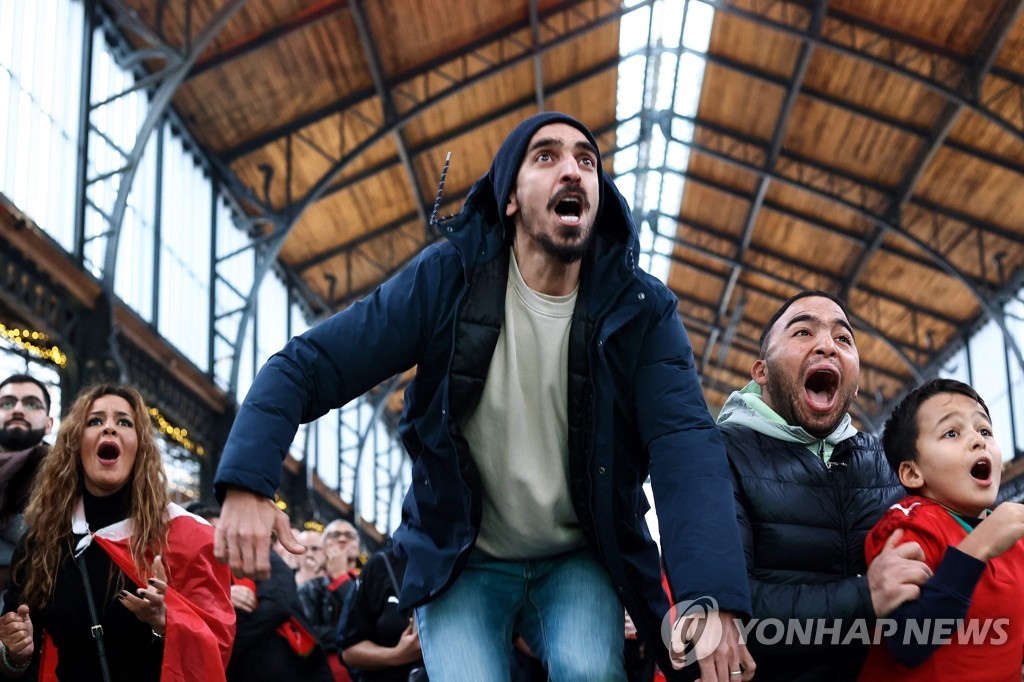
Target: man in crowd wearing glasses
(24, 420)
(322, 598)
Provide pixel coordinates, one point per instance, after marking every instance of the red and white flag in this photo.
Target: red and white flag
(200, 617)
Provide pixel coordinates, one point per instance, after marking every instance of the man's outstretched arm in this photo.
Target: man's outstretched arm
(323, 369)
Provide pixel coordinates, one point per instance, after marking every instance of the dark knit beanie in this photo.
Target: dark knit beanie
(505, 166)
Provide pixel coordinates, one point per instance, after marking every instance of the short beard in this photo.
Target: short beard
(16, 440)
(787, 398)
(565, 253)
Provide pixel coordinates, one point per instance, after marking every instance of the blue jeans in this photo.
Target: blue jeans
(564, 608)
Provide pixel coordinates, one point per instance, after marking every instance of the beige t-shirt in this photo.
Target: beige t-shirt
(518, 434)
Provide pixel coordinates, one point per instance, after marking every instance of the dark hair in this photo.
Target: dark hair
(28, 379)
(809, 293)
(899, 436)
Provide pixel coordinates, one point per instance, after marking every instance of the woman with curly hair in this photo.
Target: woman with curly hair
(122, 582)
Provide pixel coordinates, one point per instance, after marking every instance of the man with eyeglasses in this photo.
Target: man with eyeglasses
(24, 420)
(322, 598)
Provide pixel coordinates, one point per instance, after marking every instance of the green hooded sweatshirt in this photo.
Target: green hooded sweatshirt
(747, 408)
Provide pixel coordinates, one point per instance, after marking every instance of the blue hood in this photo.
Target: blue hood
(505, 166)
(489, 194)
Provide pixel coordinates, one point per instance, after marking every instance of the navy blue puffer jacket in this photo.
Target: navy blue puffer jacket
(635, 406)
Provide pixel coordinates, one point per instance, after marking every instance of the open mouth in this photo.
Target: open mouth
(569, 209)
(821, 387)
(108, 451)
(982, 470)
(569, 203)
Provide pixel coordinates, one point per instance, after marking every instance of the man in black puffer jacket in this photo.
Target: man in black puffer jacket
(809, 486)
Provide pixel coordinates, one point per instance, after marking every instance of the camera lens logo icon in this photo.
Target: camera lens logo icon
(691, 630)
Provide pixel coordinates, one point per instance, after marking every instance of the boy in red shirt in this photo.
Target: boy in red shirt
(968, 622)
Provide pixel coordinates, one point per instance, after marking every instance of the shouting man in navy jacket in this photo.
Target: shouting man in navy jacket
(552, 376)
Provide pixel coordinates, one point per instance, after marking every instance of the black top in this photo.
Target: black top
(15, 499)
(260, 652)
(374, 614)
(322, 606)
(20, 486)
(132, 651)
(803, 525)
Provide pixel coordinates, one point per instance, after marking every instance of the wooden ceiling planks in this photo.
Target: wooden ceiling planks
(871, 89)
(275, 84)
(953, 25)
(410, 34)
(982, 190)
(1011, 57)
(743, 102)
(869, 191)
(857, 143)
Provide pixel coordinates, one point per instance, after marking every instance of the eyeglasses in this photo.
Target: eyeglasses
(28, 403)
(338, 534)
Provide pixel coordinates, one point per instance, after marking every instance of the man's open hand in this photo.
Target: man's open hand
(242, 539)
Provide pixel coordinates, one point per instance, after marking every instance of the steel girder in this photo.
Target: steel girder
(798, 283)
(863, 198)
(387, 104)
(360, 428)
(943, 125)
(538, 63)
(439, 82)
(162, 86)
(941, 71)
(772, 156)
(651, 81)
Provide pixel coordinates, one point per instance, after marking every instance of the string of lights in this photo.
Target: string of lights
(177, 434)
(34, 343)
